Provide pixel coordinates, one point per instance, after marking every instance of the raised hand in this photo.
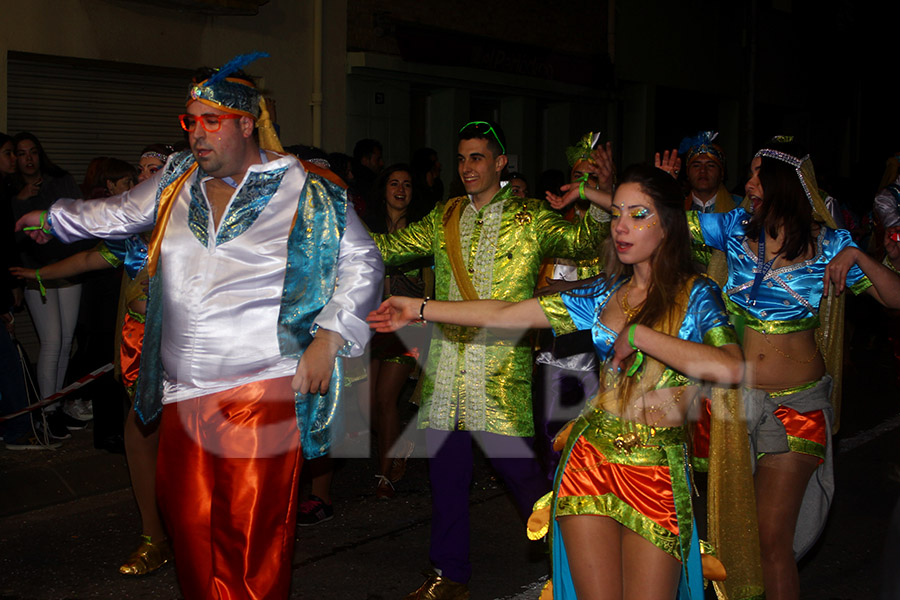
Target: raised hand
(670, 163)
(570, 194)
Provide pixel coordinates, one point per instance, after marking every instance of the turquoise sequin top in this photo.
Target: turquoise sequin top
(789, 296)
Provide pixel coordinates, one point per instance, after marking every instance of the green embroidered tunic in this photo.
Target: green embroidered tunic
(479, 379)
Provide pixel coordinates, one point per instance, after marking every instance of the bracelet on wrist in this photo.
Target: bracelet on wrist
(639, 356)
(37, 276)
(42, 226)
(422, 309)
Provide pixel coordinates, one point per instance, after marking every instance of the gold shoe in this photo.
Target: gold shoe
(398, 463)
(437, 587)
(148, 557)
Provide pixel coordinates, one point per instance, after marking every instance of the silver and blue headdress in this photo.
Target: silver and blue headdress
(231, 94)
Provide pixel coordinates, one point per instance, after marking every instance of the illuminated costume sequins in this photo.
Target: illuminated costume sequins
(645, 488)
(479, 379)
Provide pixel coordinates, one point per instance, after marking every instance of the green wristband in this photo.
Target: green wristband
(639, 357)
(37, 276)
(42, 225)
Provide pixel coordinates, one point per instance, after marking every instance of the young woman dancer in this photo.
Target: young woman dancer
(621, 506)
(783, 260)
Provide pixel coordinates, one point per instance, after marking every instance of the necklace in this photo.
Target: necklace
(630, 312)
(788, 356)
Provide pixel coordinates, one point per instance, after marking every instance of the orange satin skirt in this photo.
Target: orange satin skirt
(226, 480)
(635, 488)
(130, 351)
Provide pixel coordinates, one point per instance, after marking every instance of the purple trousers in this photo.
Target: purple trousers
(450, 471)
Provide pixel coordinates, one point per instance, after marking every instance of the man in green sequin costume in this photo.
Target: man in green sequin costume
(477, 383)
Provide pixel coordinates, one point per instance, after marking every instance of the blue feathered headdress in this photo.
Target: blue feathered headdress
(237, 96)
(701, 145)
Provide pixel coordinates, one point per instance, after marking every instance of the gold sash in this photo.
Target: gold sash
(454, 249)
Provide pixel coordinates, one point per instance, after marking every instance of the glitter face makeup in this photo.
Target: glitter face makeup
(640, 215)
(634, 225)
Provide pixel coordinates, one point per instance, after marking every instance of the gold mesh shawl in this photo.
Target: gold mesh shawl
(731, 510)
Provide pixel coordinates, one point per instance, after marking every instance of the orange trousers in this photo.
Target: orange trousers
(226, 480)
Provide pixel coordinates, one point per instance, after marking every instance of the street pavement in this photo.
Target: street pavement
(67, 518)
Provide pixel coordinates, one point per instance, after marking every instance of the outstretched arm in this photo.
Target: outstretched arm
(398, 311)
(82, 262)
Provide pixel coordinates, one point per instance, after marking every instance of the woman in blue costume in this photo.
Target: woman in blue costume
(622, 518)
(782, 261)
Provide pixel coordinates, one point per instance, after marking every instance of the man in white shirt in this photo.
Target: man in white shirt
(261, 275)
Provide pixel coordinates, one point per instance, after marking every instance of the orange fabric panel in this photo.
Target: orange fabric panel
(647, 489)
(130, 350)
(227, 477)
(809, 426)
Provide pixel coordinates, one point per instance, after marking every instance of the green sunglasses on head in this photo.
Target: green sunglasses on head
(479, 126)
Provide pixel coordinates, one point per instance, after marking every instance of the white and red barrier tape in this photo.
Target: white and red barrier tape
(62, 393)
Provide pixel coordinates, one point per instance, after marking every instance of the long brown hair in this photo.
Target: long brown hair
(671, 267)
(784, 204)
(671, 264)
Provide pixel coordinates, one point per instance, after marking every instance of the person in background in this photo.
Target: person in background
(518, 185)
(394, 207)
(368, 161)
(53, 303)
(141, 440)
(17, 432)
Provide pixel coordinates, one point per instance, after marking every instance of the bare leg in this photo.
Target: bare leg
(594, 549)
(780, 484)
(141, 444)
(385, 416)
(648, 572)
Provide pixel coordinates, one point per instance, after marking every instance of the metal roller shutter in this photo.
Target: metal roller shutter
(81, 109)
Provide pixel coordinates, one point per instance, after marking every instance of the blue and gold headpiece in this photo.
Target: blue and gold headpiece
(692, 148)
(233, 95)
